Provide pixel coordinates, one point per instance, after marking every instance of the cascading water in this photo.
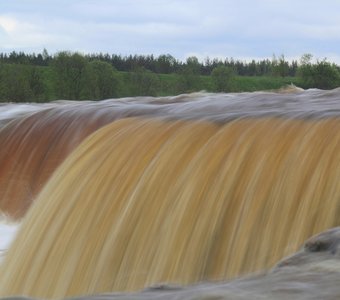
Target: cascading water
(180, 190)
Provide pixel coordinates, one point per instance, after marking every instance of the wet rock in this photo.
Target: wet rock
(320, 251)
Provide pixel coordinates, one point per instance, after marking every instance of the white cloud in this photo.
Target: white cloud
(22, 32)
(18, 33)
(8, 24)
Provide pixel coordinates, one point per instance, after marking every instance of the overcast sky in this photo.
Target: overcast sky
(243, 29)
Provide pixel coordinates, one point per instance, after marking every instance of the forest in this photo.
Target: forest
(42, 77)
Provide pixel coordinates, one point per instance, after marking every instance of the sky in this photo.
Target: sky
(242, 29)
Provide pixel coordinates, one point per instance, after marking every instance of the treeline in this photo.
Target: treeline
(166, 64)
(74, 76)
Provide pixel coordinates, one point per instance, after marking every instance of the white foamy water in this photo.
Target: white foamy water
(9, 111)
(290, 102)
(7, 234)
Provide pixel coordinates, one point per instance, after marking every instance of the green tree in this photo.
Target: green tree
(36, 85)
(68, 68)
(2, 82)
(322, 74)
(283, 66)
(326, 75)
(99, 81)
(222, 78)
(305, 70)
(144, 82)
(15, 84)
(193, 65)
(189, 79)
(45, 57)
(280, 67)
(165, 64)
